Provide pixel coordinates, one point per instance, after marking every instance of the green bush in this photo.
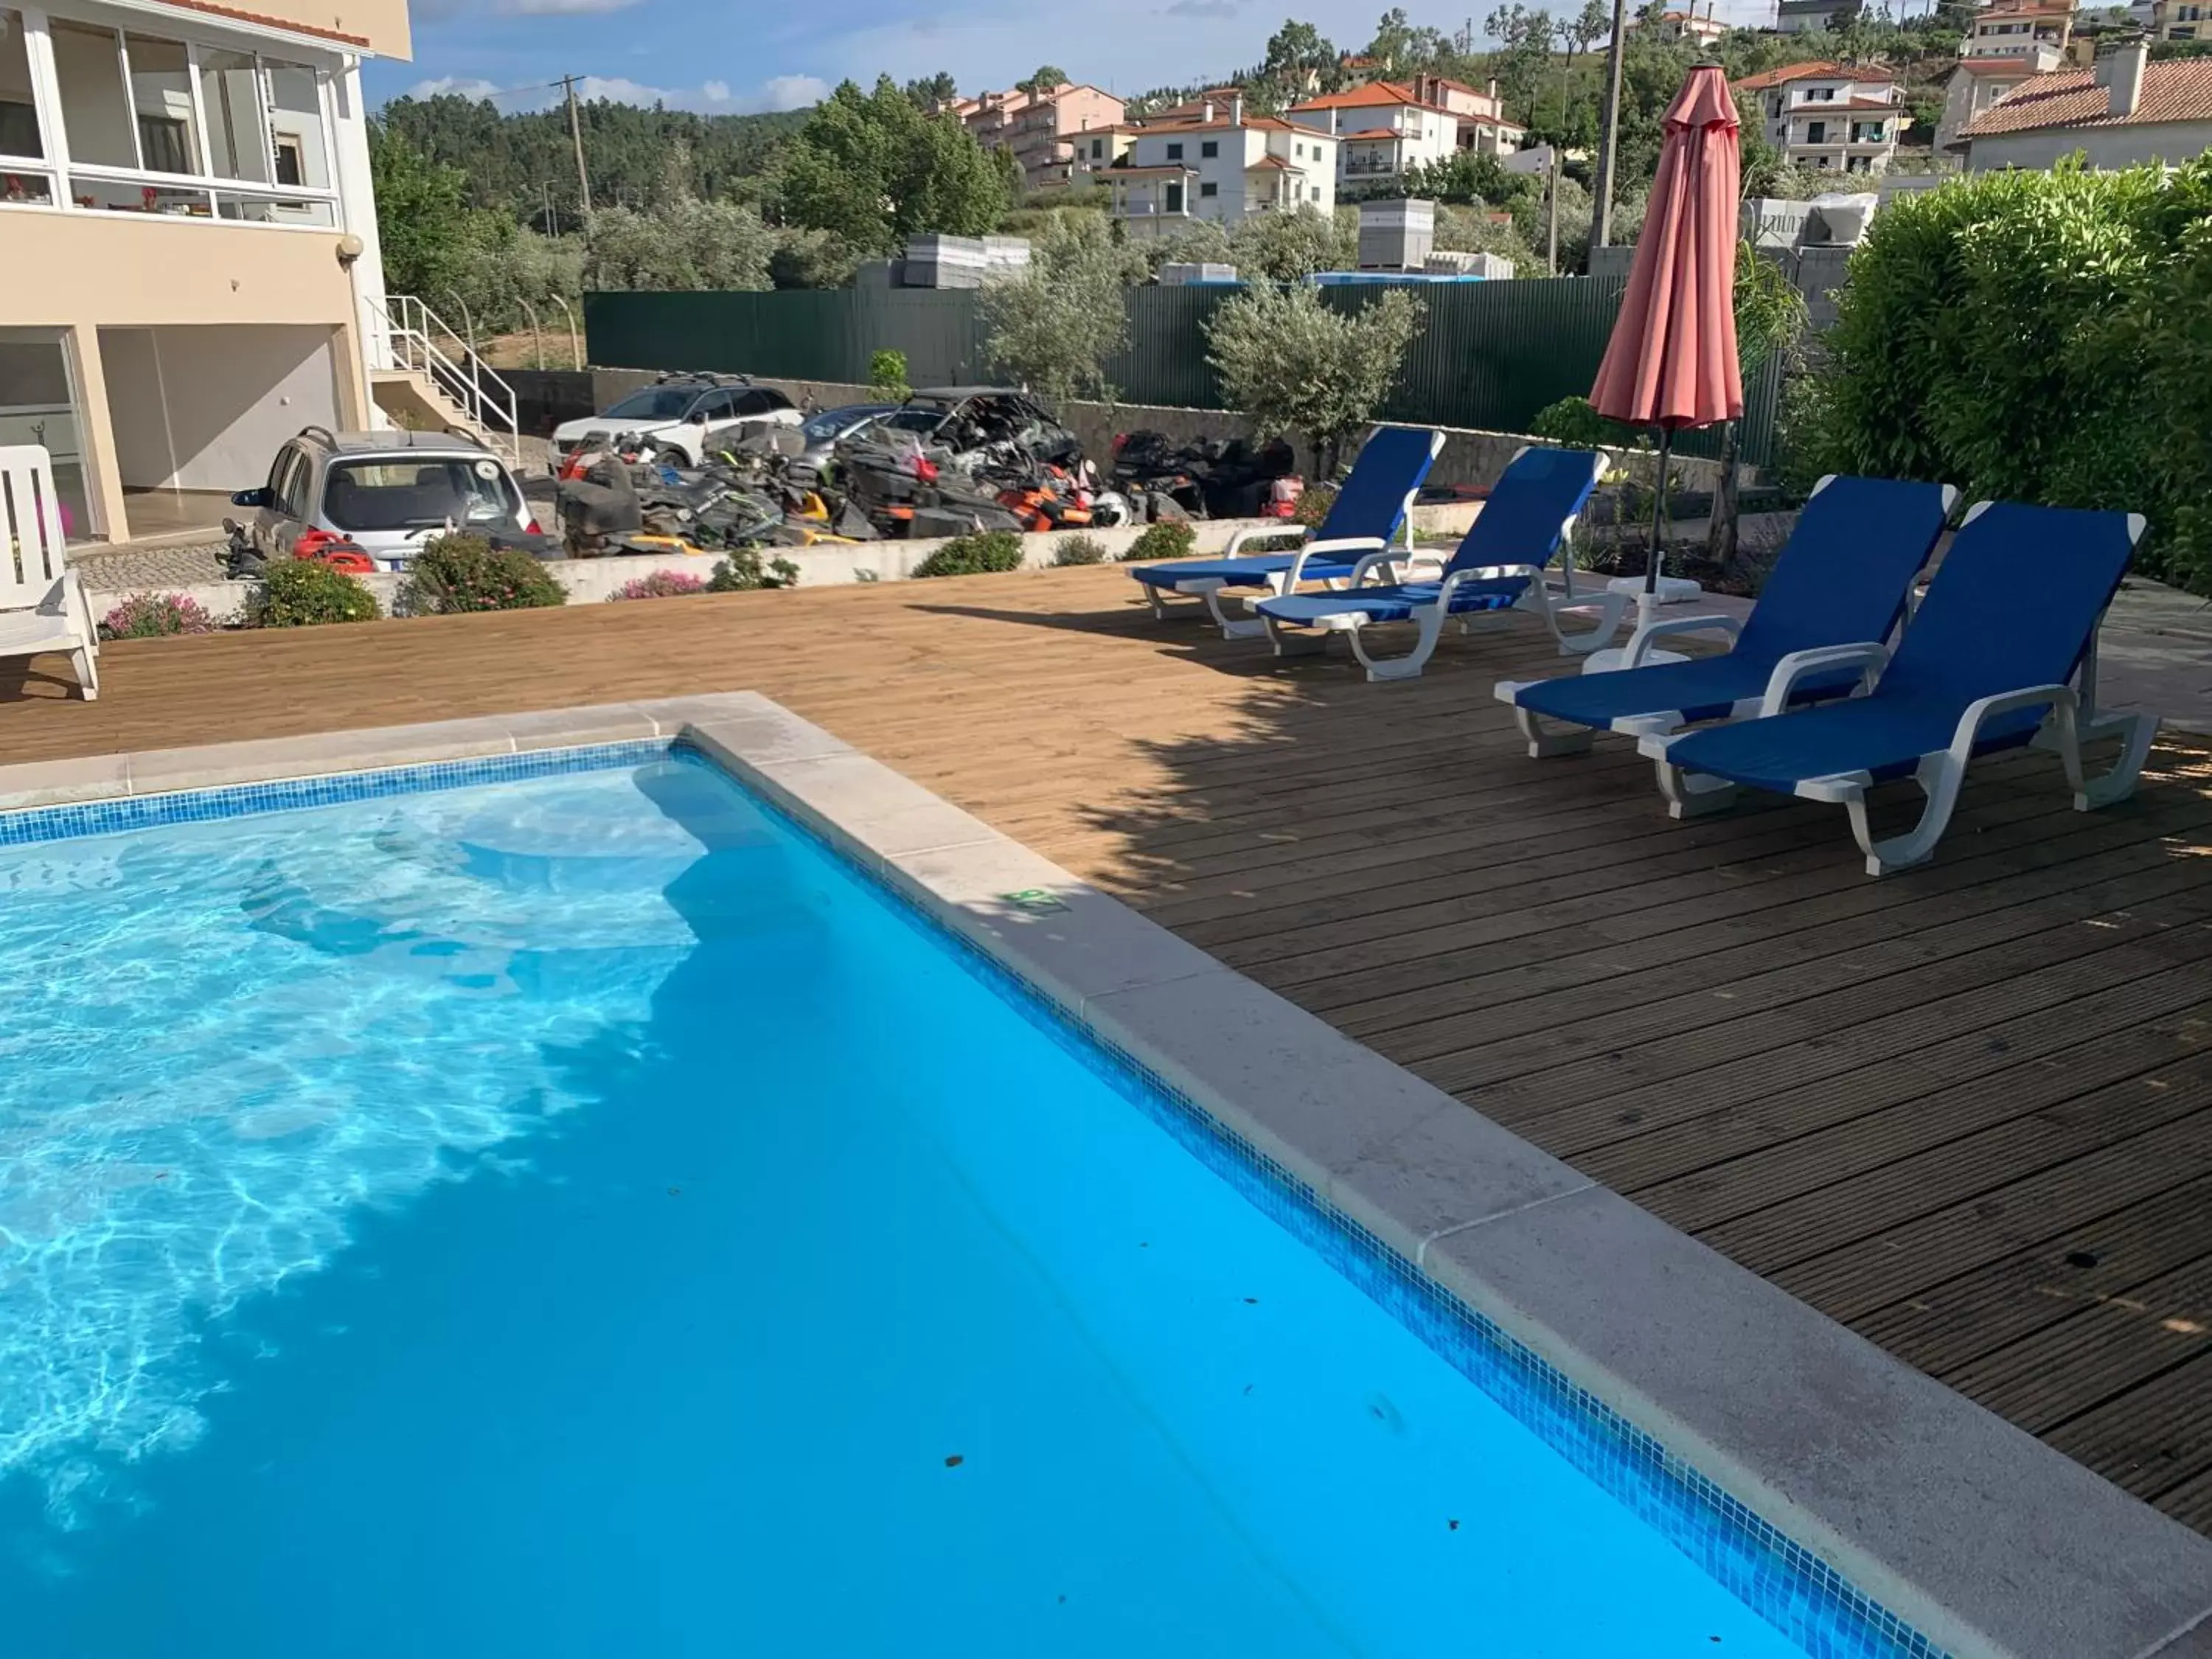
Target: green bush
(305, 592)
(2040, 337)
(744, 569)
(1573, 422)
(459, 573)
(972, 555)
(1315, 504)
(887, 375)
(1078, 550)
(1170, 538)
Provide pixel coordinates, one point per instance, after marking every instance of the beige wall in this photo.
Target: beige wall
(382, 23)
(85, 271)
(2171, 142)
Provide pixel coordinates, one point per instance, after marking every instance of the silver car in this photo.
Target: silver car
(386, 492)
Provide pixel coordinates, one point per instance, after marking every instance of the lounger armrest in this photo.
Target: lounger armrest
(1868, 655)
(65, 600)
(1297, 572)
(1980, 713)
(1237, 540)
(1388, 560)
(1639, 643)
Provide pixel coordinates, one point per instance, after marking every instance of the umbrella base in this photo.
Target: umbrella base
(1672, 590)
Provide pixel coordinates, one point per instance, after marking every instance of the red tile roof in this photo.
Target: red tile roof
(1255, 123)
(2020, 68)
(1373, 132)
(260, 21)
(1821, 72)
(2178, 90)
(1375, 94)
(1275, 162)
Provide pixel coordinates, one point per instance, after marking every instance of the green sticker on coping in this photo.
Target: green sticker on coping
(1034, 898)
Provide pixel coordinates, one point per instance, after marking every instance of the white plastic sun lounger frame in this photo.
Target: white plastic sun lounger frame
(42, 607)
(1310, 637)
(1208, 589)
(2073, 721)
(1547, 741)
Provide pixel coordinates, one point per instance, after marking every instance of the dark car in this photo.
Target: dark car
(823, 430)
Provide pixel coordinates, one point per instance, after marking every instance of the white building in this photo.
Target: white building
(2015, 29)
(1807, 16)
(1977, 82)
(1387, 128)
(188, 244)
(2181, 19)
(1699, 28)
(1829, 118)
(1222, 165)
(2124, 112)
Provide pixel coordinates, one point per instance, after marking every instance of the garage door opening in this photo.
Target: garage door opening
(198, 411)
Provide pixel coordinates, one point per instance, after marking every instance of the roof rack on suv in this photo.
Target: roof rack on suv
(703, 376)
(329, 437)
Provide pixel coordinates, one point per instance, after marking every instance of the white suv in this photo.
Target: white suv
(686, 415)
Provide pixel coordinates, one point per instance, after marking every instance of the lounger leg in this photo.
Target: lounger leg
(2066, 733)
(1611, 609)
(1232, 628)
(87, 677)
(1939, 777)
(1407, 667)
(1693, 794)
(1290, 643)
(1158, 604)
(1546, 741)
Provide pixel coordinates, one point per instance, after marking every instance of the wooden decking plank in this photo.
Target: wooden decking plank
(2107, 1348)
(2153, 1437)
(1940, 1328)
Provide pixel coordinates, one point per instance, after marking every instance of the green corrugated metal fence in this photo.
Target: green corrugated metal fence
(1489, 355)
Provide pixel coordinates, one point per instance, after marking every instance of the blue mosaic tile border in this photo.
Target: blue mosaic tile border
(1785, 1584)
(105, 818)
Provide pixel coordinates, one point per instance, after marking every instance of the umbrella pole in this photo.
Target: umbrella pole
(1658, 512)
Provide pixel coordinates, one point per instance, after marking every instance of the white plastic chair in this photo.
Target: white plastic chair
(42, 608)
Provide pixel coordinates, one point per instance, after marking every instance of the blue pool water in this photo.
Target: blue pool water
(574, 1216)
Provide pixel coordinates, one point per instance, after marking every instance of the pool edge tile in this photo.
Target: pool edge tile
(25, 785)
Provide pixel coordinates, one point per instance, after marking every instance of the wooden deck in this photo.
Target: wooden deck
(1967, 1110)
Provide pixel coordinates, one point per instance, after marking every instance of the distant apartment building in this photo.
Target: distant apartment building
(1387, 128)
(2014, 28)
(1830, 117)
(1976, 83)
(189, 263)
(1808, 16)
(2125, 111)
(2180, 20)
(1218, 163)
(1700, 28)
(1040, 130)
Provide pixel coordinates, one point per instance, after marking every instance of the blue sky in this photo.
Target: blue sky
(744, 55)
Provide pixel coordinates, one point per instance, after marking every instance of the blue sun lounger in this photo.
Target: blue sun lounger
(2009, 619)
(1498, 566)
(1845, 575)
(1374, 503)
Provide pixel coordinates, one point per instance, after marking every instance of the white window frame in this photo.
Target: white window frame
(61, 172)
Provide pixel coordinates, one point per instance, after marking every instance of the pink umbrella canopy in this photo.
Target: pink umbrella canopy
(1671, 363)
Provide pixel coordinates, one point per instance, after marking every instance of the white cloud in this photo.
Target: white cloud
(460, 86)
(785, 92)
(790, 92)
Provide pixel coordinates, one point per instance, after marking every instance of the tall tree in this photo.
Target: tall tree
(938, 89)
(1045, 78)
(874, 169)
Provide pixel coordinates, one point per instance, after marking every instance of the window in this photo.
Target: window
(285, 478)
(1175, 152)
(1208, 148)
(1865, 132)
(1173, 204)
(1316, 192)
(396, 494)
(89, 74)
(1821, 161)
(296, 126)
(162, 99)
(19, 114)
(1816, 132)
(39, 395)
(1097, 148)
(1209, 188)
(1858, 164)
(233, 103)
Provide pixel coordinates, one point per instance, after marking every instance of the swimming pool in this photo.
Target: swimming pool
(576, 1214)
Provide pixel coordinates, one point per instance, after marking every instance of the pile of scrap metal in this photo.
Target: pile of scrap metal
(617, 495)
(957, 459)
(1207, 477)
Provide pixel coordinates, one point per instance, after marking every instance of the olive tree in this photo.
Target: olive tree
(1296, 364)
(1053, 329)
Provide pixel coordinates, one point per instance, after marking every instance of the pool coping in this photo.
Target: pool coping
(1990, 1544)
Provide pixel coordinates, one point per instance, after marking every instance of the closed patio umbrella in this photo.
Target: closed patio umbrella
(1671, 363)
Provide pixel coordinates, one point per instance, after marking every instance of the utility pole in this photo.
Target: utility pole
(1609, 139)
(1552, 234)
(576, 133)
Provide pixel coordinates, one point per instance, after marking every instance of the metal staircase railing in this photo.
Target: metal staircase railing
(418, 340)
